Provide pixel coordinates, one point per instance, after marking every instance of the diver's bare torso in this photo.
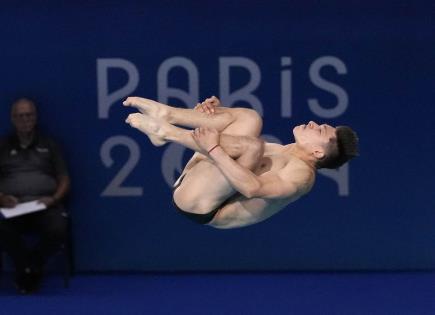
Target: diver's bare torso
(240, 211)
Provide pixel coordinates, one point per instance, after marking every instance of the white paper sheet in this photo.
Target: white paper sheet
(22, 208)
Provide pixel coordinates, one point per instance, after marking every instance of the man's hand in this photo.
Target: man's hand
(209, 105)
(206, 138)
(47, 201)
(8, 201)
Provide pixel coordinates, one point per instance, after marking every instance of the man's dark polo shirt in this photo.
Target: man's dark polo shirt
(30, 172)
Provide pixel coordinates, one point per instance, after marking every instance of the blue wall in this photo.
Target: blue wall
(375, 213)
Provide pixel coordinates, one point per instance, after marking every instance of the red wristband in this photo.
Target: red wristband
(213, 148)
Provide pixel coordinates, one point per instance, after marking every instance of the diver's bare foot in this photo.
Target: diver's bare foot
(148, 125)
(148, 107)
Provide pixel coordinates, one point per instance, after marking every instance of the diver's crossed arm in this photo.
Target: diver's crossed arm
(207, 106)
(250, 185)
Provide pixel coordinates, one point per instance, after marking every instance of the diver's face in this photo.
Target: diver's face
(315, 137)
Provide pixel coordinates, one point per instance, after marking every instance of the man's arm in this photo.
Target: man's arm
(62, 177)
(241, 178)
(247, 183)
(63, 184)
(207, 106)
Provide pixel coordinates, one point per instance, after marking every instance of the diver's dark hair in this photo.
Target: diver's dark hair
(347, 148)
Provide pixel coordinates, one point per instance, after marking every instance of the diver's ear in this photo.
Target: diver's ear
(319, 154)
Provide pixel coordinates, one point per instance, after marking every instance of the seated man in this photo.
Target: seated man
(235, 179)
(31, 168)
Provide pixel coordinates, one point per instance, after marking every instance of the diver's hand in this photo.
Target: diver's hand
(206, 138)
(208, 106)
